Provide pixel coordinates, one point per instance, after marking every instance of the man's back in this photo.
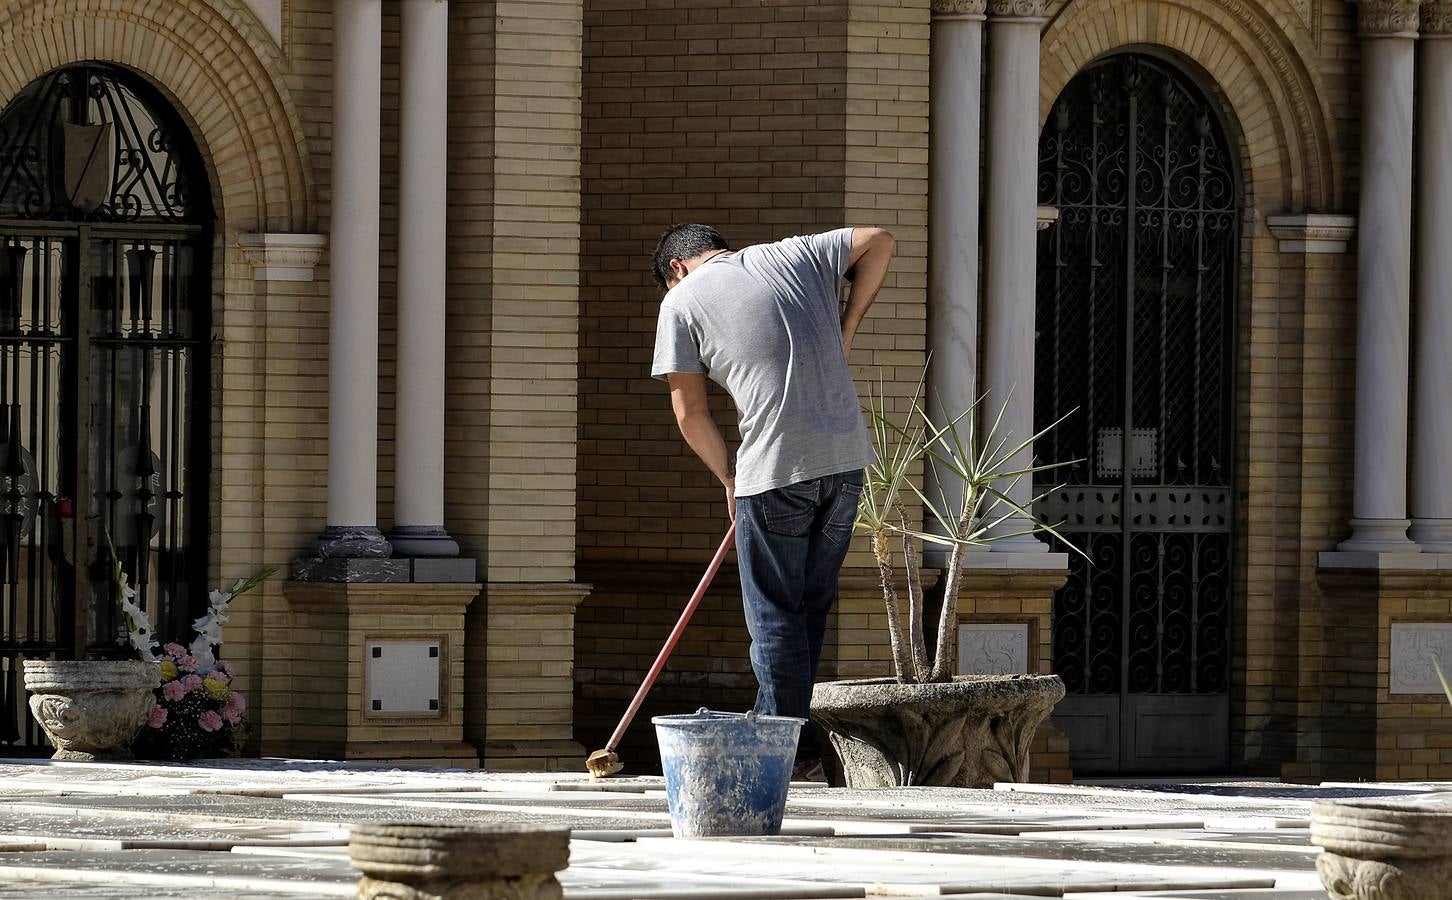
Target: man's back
(764, 323)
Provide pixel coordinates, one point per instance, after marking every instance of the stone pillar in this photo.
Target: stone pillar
(953, 173)
(1012, 217)
(418, 518)
(1379, 507)
(1431, 497)
(352, 530)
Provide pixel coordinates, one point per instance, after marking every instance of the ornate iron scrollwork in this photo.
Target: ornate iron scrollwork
(1136, 289)
(104, 370)
(85, 143)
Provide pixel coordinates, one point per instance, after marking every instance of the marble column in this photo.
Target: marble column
(352, 529)
(1011, 254)
(418, 504)
(1379, 504)
(953, 176)
(1431, 499)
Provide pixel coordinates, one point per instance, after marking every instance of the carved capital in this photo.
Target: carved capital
(1387, 18)
(1017, 10)
(959, 9)
(1437, 19)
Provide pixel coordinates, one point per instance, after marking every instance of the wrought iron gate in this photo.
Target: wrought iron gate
(104, 313)
(1136, 295)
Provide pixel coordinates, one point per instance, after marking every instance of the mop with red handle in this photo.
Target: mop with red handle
(604, 763)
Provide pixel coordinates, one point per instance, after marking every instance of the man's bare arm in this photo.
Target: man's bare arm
(693, 415)
(872, 250)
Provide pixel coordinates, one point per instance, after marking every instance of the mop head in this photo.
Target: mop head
(603, 764)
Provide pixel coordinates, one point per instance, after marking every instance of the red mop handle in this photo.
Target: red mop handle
(670, 644)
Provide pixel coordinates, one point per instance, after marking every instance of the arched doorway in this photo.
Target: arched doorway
(1136, 298)
(105, 297)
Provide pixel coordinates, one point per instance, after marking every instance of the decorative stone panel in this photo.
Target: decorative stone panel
(994, 648)
(1417, 648)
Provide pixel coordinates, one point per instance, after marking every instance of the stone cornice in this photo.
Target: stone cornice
(282, 257)
(1017, 10)
(959, 9)
(1387, 18)
(1312, 232)
(1436, 19)
(1047, 215)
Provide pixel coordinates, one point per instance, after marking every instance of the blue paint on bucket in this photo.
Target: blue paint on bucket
(726, 773)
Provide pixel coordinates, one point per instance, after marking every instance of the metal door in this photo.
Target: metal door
(1136, 294)
(104, 313)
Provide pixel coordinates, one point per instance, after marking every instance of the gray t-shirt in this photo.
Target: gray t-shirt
(763, 323)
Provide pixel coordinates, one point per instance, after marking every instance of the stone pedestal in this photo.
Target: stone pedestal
(378, 671)
(971, 732)
(411, 861)
(999, 589)
(1383, 849)
(527, 635)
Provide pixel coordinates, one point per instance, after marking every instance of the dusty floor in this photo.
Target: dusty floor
(278, 828)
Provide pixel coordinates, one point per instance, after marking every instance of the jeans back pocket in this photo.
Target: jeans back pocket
(844, 512)
(790, 510)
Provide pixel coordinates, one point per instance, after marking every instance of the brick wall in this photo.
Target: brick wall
(769, 118)
(766, 120)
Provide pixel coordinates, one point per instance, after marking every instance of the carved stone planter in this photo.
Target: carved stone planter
(418, 861)
(1384, 849)
(89, 708)
(971, 732)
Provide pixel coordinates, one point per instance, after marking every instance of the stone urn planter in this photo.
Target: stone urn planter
(971, 732)
(421, 861)
(1384, 849)
(91, 709)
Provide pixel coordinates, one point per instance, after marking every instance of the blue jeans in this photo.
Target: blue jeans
(790, 544)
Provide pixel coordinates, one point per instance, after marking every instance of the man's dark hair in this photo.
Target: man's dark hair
(683, 242)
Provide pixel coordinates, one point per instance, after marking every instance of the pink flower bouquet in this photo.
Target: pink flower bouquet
(197, 713)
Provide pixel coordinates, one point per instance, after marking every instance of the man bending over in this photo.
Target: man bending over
(765, 323)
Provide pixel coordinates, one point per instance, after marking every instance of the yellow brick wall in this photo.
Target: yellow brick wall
(536, 291)
(765, 120)
(262, 115)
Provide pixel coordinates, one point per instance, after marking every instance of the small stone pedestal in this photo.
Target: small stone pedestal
(432, 862)
(1384, 849)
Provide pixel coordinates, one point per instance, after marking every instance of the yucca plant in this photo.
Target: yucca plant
(956, 449)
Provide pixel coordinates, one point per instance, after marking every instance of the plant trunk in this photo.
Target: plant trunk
(945, 656)
(901, 664)
(921, 667)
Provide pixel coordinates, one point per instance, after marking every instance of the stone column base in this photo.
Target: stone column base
(1371, 705)
(378, 672)
(527, 637)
